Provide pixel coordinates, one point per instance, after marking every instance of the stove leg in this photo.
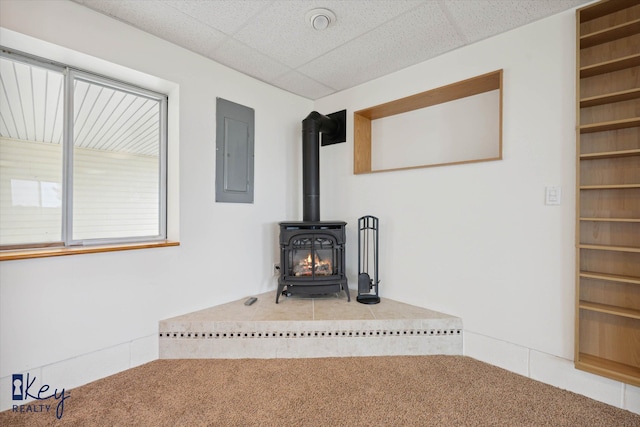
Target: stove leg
(279, 291)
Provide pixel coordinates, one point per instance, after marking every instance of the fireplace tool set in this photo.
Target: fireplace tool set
(368, 260)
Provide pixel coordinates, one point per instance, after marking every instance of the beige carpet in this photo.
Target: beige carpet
(370, 391)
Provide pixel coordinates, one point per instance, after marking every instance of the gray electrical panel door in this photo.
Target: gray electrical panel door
(234, 152)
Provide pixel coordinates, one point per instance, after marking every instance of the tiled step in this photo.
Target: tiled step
(309, 327)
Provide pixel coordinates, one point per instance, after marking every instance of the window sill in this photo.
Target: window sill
(49, 252)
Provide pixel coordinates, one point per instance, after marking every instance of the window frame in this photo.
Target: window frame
(68, 245)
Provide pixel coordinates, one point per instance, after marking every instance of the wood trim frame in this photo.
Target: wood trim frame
(362, 119)
(11, 255)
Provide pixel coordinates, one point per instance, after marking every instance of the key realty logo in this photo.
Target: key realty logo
(23, 390)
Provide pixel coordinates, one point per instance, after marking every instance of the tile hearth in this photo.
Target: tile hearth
(319, 326)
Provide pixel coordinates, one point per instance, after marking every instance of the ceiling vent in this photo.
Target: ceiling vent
(320, 19)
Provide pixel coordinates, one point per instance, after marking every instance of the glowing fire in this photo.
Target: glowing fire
(306, 266)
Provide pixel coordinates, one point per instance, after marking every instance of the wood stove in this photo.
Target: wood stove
(312, 253)
(312, 258)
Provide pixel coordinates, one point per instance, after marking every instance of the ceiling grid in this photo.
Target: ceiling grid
(274, 42)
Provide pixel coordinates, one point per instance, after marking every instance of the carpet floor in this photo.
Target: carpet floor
(365, 391)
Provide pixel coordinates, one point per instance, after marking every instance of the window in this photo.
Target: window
(82, 157)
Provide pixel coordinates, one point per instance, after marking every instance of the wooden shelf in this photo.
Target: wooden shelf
(602, 8)
(610, 309)
(610, 248)
(609, 187)
(608, 368)
(610, 125)
(609, 98)
(610, 277)
(463, 89)
(610, 66)
(610, 154)
(611, 219)
(609, 34)
(12, 255)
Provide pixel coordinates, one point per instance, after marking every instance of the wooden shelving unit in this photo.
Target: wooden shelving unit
(608, 190)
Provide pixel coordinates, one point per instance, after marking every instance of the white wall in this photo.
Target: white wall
(477, 240)
(69, 320)
(426, 136)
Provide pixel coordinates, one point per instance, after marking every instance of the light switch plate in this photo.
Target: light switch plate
(553, 195)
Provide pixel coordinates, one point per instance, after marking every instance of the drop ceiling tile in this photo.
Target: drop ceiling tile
(249, 61)
(156, 18)
(224, 15)
(281, 31)
(302, 85)
(362, 45)
(479, 19)
(414, 37)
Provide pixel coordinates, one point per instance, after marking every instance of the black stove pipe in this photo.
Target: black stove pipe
(314, 124)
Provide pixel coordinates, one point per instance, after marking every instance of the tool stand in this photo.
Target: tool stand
(368, 260)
